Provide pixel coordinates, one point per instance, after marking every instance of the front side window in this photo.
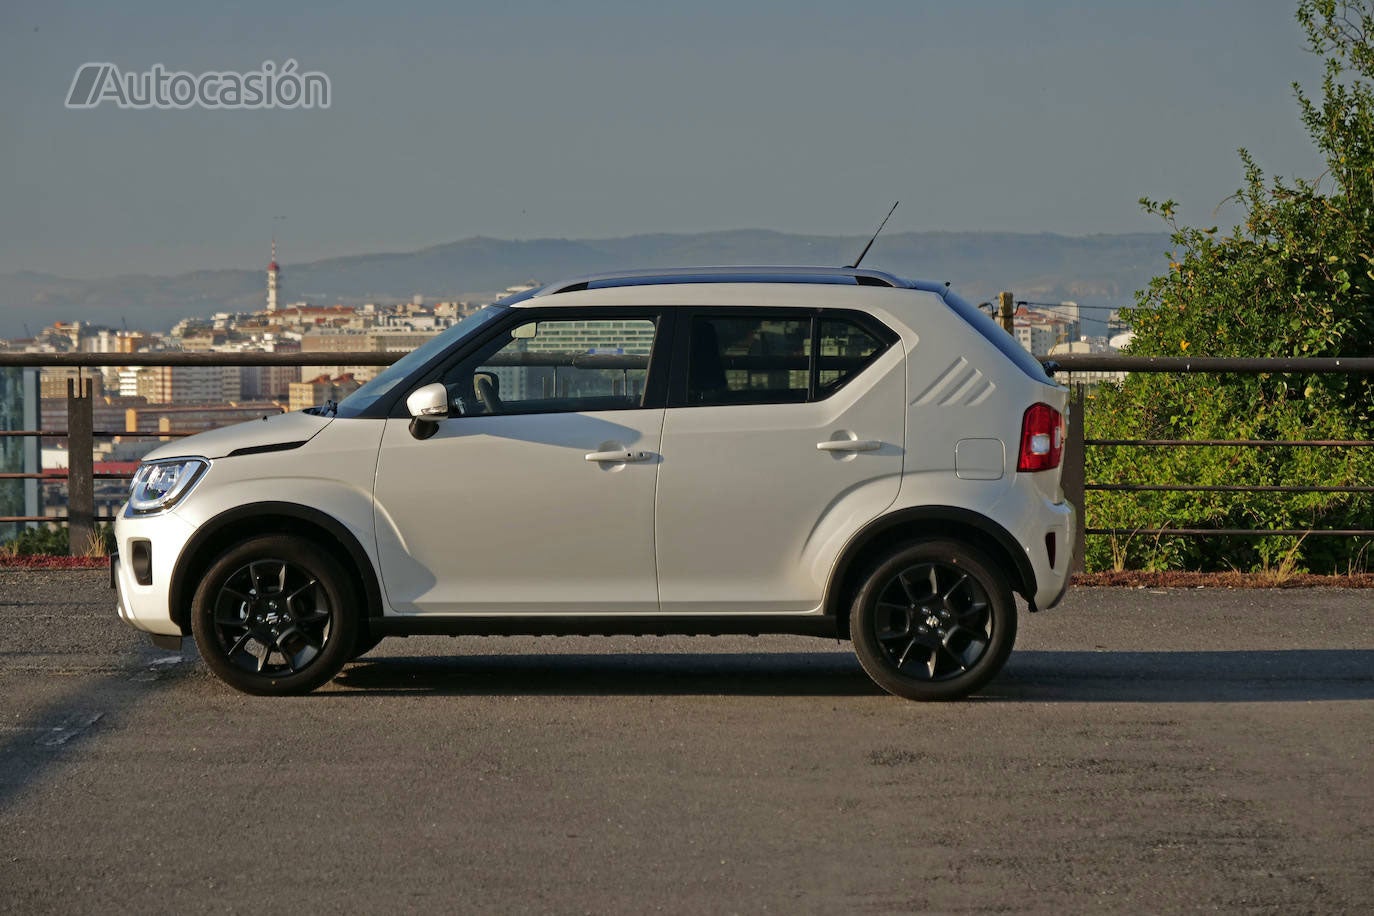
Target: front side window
(557, 366)
(386, 381)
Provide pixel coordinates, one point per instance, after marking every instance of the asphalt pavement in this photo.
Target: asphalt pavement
(1144, 751)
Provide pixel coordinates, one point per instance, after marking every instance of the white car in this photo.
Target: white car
(833, 452)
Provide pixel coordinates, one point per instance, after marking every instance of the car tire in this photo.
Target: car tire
(933, 620)
(273, 616)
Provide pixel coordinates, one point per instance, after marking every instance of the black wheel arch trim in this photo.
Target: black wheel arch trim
(1024, 582)
(179, 592)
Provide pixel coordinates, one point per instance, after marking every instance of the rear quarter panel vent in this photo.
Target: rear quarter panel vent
(960, 384)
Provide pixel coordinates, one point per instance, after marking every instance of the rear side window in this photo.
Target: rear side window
(749, 360)
(765, 358)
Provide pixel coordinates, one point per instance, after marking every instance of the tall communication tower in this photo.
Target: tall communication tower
(273, 278)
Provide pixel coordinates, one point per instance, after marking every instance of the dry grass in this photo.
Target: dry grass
(95, 547)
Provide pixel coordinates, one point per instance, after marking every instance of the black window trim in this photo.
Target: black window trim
(677, 384)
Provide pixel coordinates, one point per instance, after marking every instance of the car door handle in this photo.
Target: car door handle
(849, 445)
(619, 455)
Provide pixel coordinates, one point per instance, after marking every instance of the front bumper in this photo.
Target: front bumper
(148, 607)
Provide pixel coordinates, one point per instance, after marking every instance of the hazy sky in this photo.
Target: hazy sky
(601, 118)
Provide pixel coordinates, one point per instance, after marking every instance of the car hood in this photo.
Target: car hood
(272, 433)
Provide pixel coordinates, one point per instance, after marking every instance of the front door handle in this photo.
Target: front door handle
(849, 445)
(618, 455)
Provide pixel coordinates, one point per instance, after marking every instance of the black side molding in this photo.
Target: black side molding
(605, 625)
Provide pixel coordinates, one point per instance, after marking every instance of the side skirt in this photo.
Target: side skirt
(826, 627)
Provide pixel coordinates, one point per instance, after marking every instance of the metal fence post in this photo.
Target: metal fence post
(1075, 473)
(80, 466)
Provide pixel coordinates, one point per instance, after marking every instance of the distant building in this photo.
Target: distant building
(183, 384)
(53, 381)
(132, 341)
(267, 383)
(194, 418)
(1097, 346)
(107, 414)
(320, 389)
(400, 339)
(1039, 331)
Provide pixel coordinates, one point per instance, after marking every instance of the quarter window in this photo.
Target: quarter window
(845, 350)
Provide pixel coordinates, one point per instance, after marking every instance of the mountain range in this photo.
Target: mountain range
(1097, 271)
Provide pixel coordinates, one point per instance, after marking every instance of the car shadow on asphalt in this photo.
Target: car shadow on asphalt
(648, 674)
(1289, 675)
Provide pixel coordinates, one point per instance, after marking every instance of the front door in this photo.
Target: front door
(537, 495)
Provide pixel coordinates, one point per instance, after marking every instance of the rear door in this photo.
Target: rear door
(784, 434)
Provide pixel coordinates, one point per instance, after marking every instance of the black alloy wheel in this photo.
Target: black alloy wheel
(273, 616)
(933, 621)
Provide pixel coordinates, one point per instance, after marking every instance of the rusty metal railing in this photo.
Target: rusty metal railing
(1077, 486)
(81, 435)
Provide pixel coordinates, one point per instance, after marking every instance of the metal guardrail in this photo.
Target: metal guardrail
(1350, 365)
(81, 434)
(98, 360)
(1076, 485)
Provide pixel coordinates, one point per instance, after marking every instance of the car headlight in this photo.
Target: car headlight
(158, 485)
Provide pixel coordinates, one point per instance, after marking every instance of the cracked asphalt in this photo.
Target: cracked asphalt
(1144, 751)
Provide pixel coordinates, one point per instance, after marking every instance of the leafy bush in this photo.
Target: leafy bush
(1294, 279)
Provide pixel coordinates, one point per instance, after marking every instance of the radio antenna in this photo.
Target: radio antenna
(860, 258)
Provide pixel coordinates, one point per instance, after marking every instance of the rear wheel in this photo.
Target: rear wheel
(934, 621)
(273, 616)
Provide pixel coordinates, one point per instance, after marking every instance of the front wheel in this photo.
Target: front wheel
(933, 621)
(273, 616)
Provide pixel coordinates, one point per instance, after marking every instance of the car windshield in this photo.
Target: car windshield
(393, 375)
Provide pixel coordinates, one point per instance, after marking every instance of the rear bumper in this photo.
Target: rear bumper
(1052, 566)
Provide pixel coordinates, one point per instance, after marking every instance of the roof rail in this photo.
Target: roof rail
(661, 276)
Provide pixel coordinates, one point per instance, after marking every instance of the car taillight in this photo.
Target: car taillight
(1042, 439)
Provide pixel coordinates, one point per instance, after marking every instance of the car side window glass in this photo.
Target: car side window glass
(745, 359)
(845, 350)
(557, 366)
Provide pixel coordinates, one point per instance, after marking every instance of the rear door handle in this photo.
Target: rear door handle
(619, 455)
(849, 445)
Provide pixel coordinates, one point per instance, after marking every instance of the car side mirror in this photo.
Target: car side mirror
(427, 405)
(429, 402)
